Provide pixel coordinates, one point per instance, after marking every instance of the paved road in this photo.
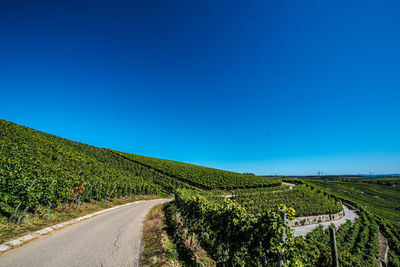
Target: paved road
(111, 239)
(349, 214)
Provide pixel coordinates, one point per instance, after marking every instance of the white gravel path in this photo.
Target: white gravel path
(349, 214)
(289, 184)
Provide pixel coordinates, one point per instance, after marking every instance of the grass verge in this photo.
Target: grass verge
(33, 222)
(157, 250)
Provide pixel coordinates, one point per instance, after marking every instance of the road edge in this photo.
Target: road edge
(45, 231)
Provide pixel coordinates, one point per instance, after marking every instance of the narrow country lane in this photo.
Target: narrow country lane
(349, 214)
(111, 239)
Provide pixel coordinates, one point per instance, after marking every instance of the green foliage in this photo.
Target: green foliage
(305, 200)
(393, 260)
(202, 177)
(232, 236)
(391, 180)
(43, 169)
(39, 169)
(378, 200)
(357, 244)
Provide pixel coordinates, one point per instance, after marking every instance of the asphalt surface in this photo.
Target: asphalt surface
(349, 214)
(110, 239)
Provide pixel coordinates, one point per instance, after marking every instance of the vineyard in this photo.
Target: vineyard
(232, 236)
(202, 177)
(305, 200)
(357, 244)
(228, 228)
(236, 218)
(380, 200)
(39, 171)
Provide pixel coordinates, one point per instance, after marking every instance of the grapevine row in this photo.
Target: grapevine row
(39, 171)
(202, 177)
(305, 200)
(233, 237)
(357, 244)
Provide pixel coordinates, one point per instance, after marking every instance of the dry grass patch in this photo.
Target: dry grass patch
(157, 250)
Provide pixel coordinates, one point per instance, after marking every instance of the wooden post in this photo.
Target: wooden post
(335, 262)
(281, 262)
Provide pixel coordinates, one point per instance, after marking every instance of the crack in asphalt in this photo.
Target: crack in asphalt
(116, 247)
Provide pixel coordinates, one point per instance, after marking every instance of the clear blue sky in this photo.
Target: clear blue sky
(271, 87)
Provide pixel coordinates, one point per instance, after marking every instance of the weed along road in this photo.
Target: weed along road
(110, 239)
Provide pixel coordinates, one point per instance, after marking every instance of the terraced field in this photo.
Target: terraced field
(304, 200)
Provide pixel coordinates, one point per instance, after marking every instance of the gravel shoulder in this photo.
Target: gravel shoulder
(110, 239)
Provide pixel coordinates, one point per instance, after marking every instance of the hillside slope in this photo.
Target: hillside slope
(202, 177)
(42, 169)
(39, 169)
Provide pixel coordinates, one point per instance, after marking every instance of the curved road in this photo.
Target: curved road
(110, 239)
(349, 214)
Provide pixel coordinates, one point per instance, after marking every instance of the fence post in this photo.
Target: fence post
(335, 262)
(281, 262)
